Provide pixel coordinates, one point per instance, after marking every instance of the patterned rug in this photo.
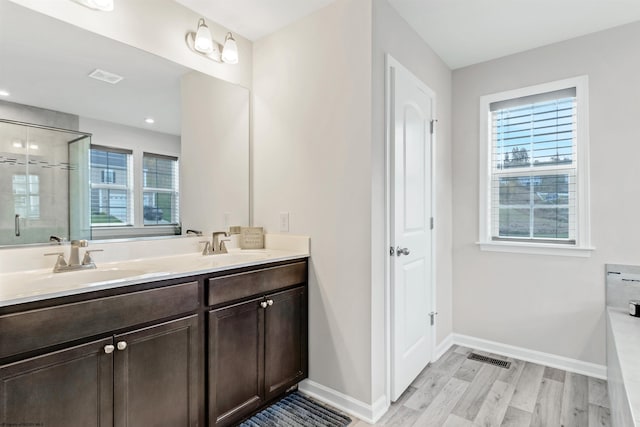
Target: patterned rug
(296, 410)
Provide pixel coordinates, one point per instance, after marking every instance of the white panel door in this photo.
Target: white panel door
(411, 331)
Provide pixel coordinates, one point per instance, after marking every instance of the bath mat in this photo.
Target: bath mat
(297, 410)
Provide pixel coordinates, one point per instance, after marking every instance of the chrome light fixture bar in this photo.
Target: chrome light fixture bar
(203, 44)
(101, 5)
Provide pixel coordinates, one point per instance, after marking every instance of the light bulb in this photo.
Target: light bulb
(230, 50)
(203, 42)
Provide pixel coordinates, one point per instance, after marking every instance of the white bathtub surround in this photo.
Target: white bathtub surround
(623, 344)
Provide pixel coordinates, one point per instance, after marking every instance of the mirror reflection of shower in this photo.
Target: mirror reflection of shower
(43, 183)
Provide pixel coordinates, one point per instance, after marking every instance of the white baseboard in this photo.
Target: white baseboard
(443, 347)
(546, 359)
(363, 411)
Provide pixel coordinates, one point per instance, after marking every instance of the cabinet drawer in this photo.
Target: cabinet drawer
(36, 329)
(244, 285)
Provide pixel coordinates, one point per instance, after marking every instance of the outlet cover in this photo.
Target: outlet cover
(284, 222)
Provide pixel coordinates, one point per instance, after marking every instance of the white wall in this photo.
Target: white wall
(158, 27)
(391, 34)
(545, 303)
(312, 158)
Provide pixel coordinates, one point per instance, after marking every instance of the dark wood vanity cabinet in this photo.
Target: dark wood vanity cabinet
(146, 376)
(257, 348)
(150, 354)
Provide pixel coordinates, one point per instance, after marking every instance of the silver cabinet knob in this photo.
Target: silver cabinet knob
(122, 345)
(269, 302)
(402, 251)
(263, 304)
(109, 348)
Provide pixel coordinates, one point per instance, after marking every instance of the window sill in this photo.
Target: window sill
(536, 249)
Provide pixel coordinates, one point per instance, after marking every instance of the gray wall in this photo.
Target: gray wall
(545, 303)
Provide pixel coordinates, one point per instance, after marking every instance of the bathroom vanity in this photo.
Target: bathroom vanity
(206, 345)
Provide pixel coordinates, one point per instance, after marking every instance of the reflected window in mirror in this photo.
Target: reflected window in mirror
(111, 187)
(26, 195)
(160, 189)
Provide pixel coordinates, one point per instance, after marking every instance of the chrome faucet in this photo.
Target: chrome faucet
(217, 245)
(74, 258)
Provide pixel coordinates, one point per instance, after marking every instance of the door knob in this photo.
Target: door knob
(109, 348)
(122, 345)
(263, 304)
(402, 251)
(269, 302)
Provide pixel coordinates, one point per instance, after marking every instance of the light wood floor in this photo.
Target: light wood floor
(457, 392)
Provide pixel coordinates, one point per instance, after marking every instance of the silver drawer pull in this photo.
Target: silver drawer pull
(263, 304)
(122, 345)
(109, 348)
(269, 302)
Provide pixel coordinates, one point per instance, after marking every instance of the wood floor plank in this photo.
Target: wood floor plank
(403, 417)
(512, 375)
(438, 411)
(527, 388)
(554, 374)
(468, 370)
(469, 405)
(456, 421)
(599, 416)
(463, 350)
(598, 394)
(575, 401)
(433, 380)
(495, 405)
(516, 418)
(397, 405)
(546, 412)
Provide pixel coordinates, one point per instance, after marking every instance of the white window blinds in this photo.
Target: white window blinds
(534, 168)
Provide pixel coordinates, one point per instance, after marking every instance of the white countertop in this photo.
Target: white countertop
(17, 287)
(626, 334)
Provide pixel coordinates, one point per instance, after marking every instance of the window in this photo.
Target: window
(111, 187)
(160, 189)
(26, 196)
(534, 195)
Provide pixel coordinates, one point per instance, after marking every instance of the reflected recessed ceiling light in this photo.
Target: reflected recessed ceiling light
(4, 92)
(101, 5)
(17, 144)
(33, 146)
(149, 120)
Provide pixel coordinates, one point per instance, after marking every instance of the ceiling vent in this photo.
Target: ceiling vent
(105, 76)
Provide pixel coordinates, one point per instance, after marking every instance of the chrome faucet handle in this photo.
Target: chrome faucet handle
(87, 260)
(60, 262)
(223, 247)
(207, 247)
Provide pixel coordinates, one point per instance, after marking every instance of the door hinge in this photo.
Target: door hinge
(432, 317)
(431, 223)
(433, 125)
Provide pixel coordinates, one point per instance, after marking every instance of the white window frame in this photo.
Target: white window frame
(582, 246)
(107, 186)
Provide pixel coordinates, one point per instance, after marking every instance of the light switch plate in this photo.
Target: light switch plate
(284, 222)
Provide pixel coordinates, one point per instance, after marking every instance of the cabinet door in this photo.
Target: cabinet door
(236, 351)
(285, 340)
(156, 375)
(70, 387)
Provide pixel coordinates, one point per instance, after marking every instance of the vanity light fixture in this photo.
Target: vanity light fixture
(101, 5)
(4, 92)
(203, 44)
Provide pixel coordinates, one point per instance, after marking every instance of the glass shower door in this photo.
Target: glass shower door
(79, 189)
